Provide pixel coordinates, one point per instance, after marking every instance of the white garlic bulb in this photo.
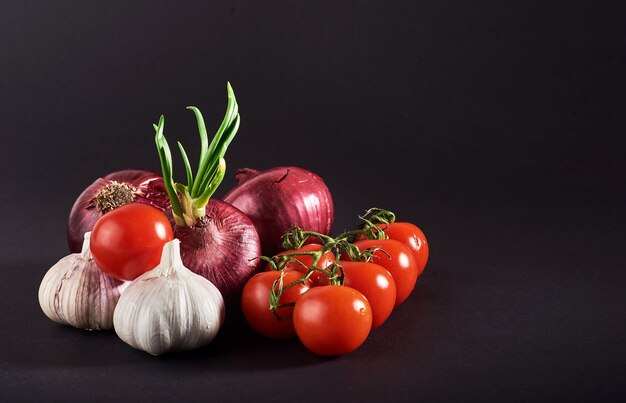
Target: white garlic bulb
(76, 292)
(169, 308)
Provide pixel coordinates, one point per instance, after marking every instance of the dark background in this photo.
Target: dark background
(497, 128)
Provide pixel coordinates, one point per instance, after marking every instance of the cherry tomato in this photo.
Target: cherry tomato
(128, 241)
(326, 260)
(375, 283)
(398, 260)
(411, 236)
(255, 303)
(332, 320)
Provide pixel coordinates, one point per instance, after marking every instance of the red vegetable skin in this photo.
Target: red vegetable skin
(280, 197)
(325, 261)
(375, 283)
(399, 262)
(255, 304)
(109, 192)
(332, 320)
(222, 246)
(128, 241)
(413, 237)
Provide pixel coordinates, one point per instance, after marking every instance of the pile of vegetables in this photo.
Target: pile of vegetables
(159, 261)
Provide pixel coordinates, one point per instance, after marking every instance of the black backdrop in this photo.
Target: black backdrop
(498, 128)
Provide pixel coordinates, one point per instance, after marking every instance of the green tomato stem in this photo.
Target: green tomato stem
(296, 237)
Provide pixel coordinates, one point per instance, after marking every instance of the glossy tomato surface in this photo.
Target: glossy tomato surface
(413, 237)
(255, 303)
(398, 259)
(326, 260)
(127, 242)
(375, 283)
(332, 320)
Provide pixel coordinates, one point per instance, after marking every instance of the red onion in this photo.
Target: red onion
(222, 246)
(279, 198)
(217, 240)
(109, 192)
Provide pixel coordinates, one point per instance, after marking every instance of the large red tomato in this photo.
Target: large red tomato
(128, 241)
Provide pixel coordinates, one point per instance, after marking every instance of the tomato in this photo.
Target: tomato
(375, 283)
(398, 260)
(255, 303)
(127, 241)
(332, 320)
(326, 260)
(411, 236)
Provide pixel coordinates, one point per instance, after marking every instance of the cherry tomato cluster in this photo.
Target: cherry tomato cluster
(331, 295)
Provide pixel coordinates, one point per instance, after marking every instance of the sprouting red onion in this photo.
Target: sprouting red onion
(223, 247)
(279, 198)
(217, 241)
(109, 192)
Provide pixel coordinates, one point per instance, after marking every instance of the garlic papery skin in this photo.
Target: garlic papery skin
(169, 308)
(76, 292)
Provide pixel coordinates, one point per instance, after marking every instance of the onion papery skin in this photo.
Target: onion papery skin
(84, 214)
(223, 247)
(279, 198)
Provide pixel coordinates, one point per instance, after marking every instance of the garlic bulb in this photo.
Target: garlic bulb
(76, 292)
(169, 308)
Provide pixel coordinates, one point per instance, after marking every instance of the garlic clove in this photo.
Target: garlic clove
(76, 292)
(169, 308)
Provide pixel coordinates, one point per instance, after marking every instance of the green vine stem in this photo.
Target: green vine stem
(335, 276)
(189, 201)
(296, 238)
(379, 216)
